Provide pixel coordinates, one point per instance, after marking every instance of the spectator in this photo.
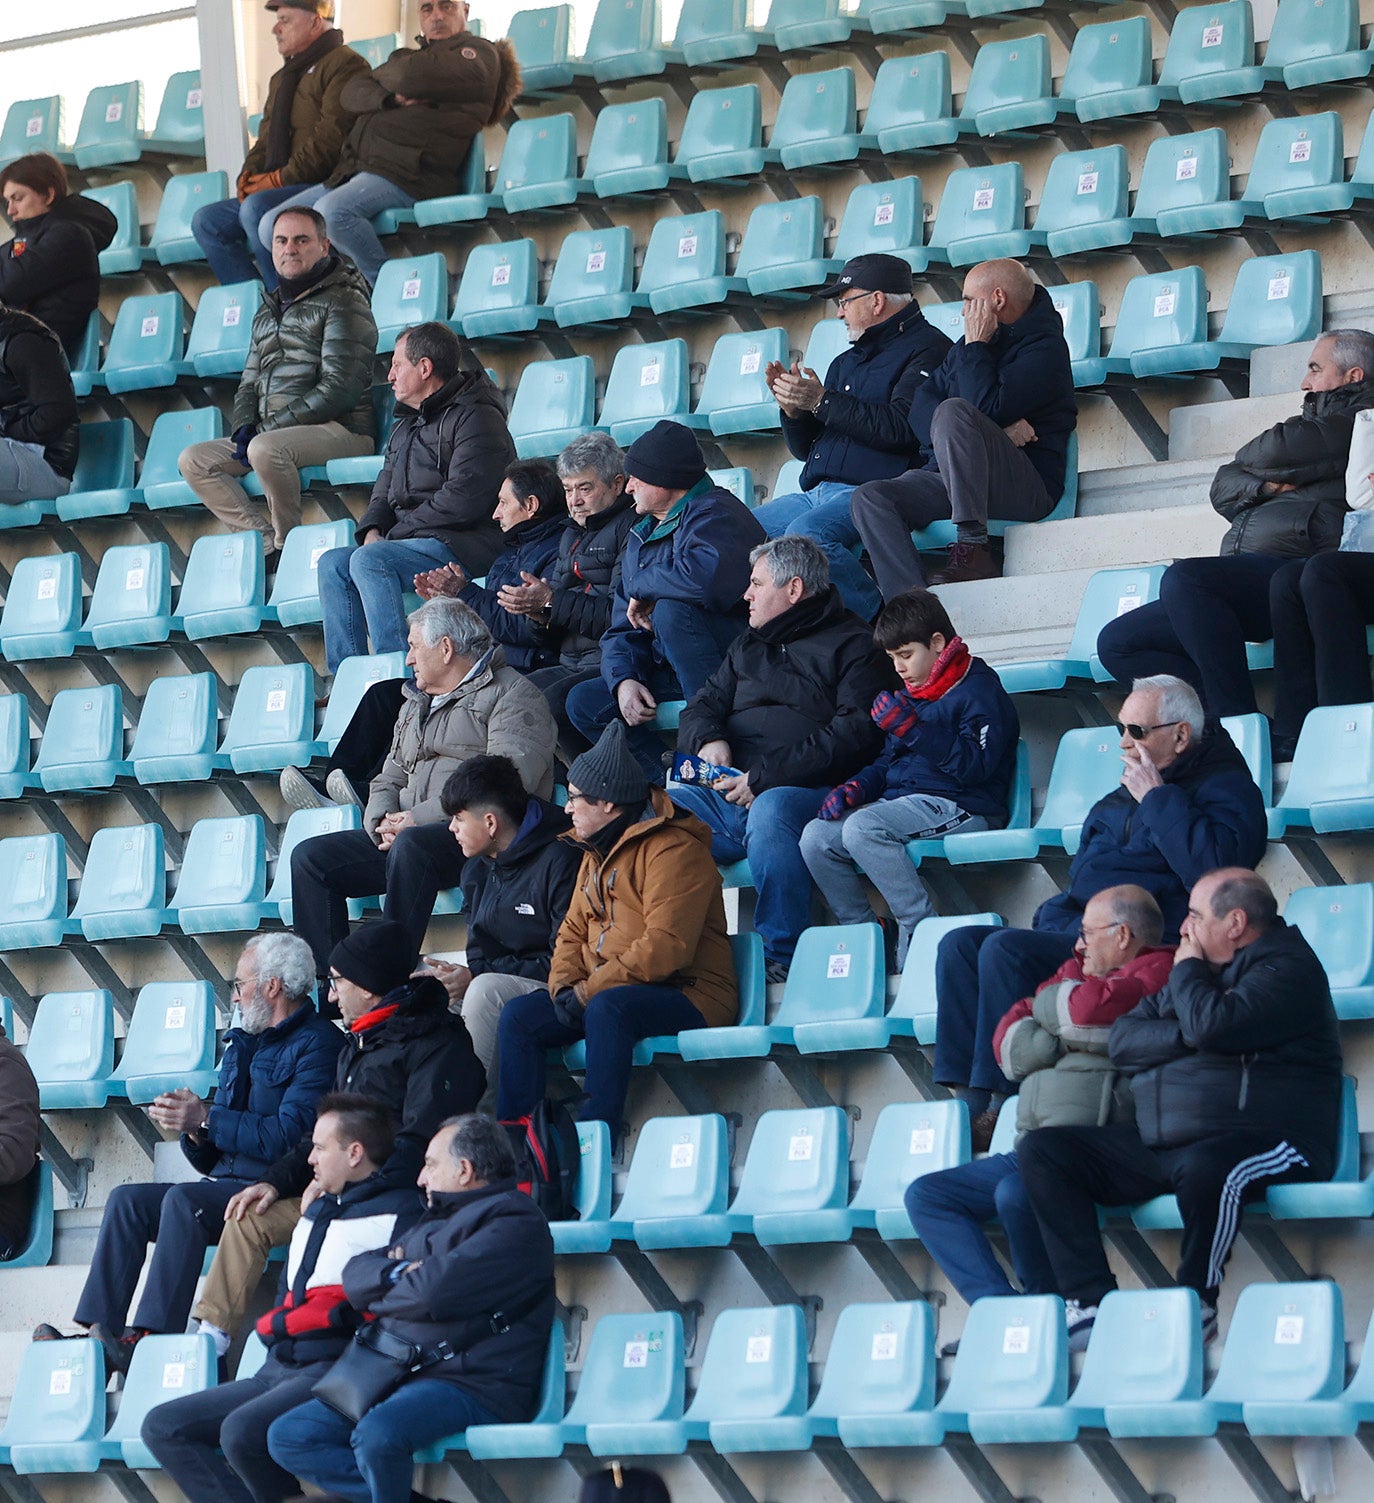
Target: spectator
(354, 1208)
(474, 1276)
(1235, 1071)
(277, 1063)
(947, 765)
(679, 603)
(416, 118)
(994, 423)
(39, 422)
(303, 397)
(853, 426)
(788, 709)
(1055, 1044)
(465, 701)
(404, 1051)
(52, 266)
(302, 133)
(432, 503)
(532, 514)
(517, 884)
(1284, 496)
(20, 1124)
(655, 960)
(1187, 804)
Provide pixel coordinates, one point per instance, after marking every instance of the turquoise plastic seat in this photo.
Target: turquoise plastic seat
(57, 1414)
(42, 614)
(83, 742)
(375, 50)
(1158, 314)
(499, 291)
(363, 469)
(593, 278)
(718, 31)
(1353, 1408)
(1084, 205)
(223, 876)
(680, 1171)
(684, 263)
(1331, 785)
(160, 479)
(827, 340)
(103, 485)
(163, 1368)
(111, 128)
(982, 214)
(552, 405)
(541, 39)
(628, 153)
(783, 249)
(180, 128)
(1250, 733)
(538, 167)
(146, 345)
(548, 1413)
(1185, 186)
(625, 41)
(295, 597)
(170, 1043)
(734, 395)
(1018, 814)
(1338, 922)
(222, 330)
(738, 481)
(816, 123)
(125, 251)
(471, 202)
(1345, 1195)
(178, 730)
(304, 824)
(1110, 71)
(31, 125)
(722, 136)
(33, 891)
(647, 382)
(908, 16)
(223, 588)
(887, 217)
(882, 1357)
(1299, 169)
(1211, 55)
(1317, 42)
(1009, 88)
(1011, 1374)
(409, 291)
(173, 243)
(788, 478)
(1080, 308)
(124, 889)
(272, 724)
(352, 679)
(251, 1358)
(15, 747)
(85, 365)
(911, 107)
(808, 25)
(591, 1194)
(36, 1250)
(132, 599)
(71, 1048)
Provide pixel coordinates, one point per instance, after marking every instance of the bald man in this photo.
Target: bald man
(993, 423)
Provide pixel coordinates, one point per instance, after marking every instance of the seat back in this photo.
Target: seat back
(1011, 72)
(85, 729)
(684, 248)
(909, 91)
(225, 863)
(132, 592)
(33, 879)
(947, 317)
(223, 586)
(980, 201)
(553, 395)
(31, 125)
(181, 114)
(739, 481)
(681, 1167)
(1304, 152)
(147, 336)
(44, 599)
(1013, 1354)
(734, 374)
(541, 150)
(647, 382)
(887, 217)
(411, 290)
(541, 40)
(1286, 1343)
(121, 199)
(1110, 593)
(86, 361)
(71, 1039)
(172, 1030)
(623, 27)
(593, 264)
(1080, 309)
(1304, 29)
(720, 121)
(295, 590)
(798, 1161)
(916, 993)
(1161, 310)
(171, 433)
(746, 950)
(1338, 922)
(105, 460)
(781, 234)
(815, 107)
(1251, 736)
(163, 1368)
(826, 340)
(503, 275)
(1146, 1348)
(1108, 58)
(1082, 188)
(1334, 758)
(1275, 300)
(754, 1367)
(1209, 39)
(592, 1193)
(627, 136)
(15, 746)
(910, 1139)
(881, 1361)
(633, 1370)
(305, 824)
(1087, 766)
(182, 196)
(706, 20)
(352, 679)
(59, 1395)
(375, 50)
(111, 124)
(126, 874)
(837, 971)
(273, 717)
(1184, 172)
(222, 332)
(177, 729)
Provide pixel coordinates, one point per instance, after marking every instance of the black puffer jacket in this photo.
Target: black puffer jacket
(52, 266)
(1253, 1045)
(443, 468)
(584, 578)
(415, 1057)
(481, 1252)
(529, 548)
(792, 698)
(37, 402)
(1308, 451)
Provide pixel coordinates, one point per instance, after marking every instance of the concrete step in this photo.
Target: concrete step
(1017, 618)
(1218, 429)
(1107, 542)
(1278, 368)
(1145, 487)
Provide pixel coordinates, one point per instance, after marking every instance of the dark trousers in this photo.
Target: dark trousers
(181, 1221)
(1070, 1171)
(1321, 608)
(555, 683)
(979, 973)
(186, 1435)
(614, 1022)
(362, 748)
(329, 869)
(981, 474)
(1208, 609)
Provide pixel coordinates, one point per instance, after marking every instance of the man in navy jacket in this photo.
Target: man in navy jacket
(993, 423)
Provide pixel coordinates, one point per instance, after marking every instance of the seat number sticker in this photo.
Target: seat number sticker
(982, 199)
(596, 262)
(175, 1017)
(1087, 182)
(1186, 169)
(758, 1349)
(500, 276)
(133, 580)
(884, 214)
(636, 1354)
(800, 1148)
(683, 1156)
(837, 968)
(410, 289)
(1164, 303)
(232, 314)
(149, 326)
(1015, 1340)
(174, 1375)
(1278, 287)
(884, 1347)
(648, 374)
(687, 246)
(750, 362)
(276, 701)
(922, 1140)
(1288, 1330)
(1211, 35)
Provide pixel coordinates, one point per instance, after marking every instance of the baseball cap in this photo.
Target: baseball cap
(324, 8)
(874, 273)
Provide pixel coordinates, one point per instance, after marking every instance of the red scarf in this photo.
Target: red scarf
(371, 1019)
(950, 668)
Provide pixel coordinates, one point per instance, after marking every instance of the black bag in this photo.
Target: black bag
(548, 1158)
(371, 1367)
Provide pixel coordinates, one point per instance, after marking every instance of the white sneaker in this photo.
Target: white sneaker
(1079, 1319)
(341, 790)
(299, 792)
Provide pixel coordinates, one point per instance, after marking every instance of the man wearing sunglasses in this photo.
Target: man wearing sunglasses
(1185, 806)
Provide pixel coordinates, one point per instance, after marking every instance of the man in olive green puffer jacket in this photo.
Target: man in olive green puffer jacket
(303, 397)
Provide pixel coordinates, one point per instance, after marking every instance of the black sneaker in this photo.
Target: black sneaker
(1209, 1322)
(119, 1350)
(775, 973)
(44, 1332)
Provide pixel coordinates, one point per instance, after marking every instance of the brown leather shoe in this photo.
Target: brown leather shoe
(981, 1130)
(966, 561)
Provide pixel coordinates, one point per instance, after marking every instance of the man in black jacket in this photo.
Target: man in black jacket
(404, 1049)
(993, 423)
(432, 503)
(356, 1209)
(853, 426)
(787, 711)
(39, 422)
(471, 1284)
(1236, 1073)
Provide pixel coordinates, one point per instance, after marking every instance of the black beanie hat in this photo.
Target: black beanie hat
(378, 956)
(609, 770)
(667, 455)
(624, 1484)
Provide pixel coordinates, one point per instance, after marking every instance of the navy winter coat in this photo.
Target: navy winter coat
(530, 548)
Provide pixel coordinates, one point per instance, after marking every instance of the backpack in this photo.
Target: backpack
(548, 1158)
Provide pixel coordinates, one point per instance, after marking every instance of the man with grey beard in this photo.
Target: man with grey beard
(277, 1064)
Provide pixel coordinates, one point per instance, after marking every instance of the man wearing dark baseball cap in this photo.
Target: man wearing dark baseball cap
(853, 426)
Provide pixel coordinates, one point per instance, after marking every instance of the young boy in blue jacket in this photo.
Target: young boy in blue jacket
(947, 765)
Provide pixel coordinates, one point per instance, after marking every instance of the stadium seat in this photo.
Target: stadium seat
(223, 587)
(409, 291)
(42, 614)
(223, 876)
(159, 481)
(15, 747)
(57, 1413)
(816, 124)
(295, 597)
(36, 1250)
(826, 340)
(1317, 42)
(553, 404)
(887, 217)
(103, 485)
(788, 478)
(684, 263)
(982, 214)
(739, 482)
(647, 382)
(83, 741)
(782, 254)
(111, 126)
(1299, 169)
(470, 203)
(125, 251)
(1084, 205)
(722, 136)
(251, 1358)
(499, 291)
(809, 25)
(172, 242)
(146, 345)
(1185, 186)
(542, 42)
(170, 1043)
(593, 278)
(272, 724)
(1009, 88)
(1211, 55)
(680, 1170)
(86, 362)
(352, 679)
(1080, 309)
(363, 469)
(131, 603)
(538, 168)
(177, 731)
(1018, 816)
(718, 31)
(123, 887)
(628, 153)
(1354, 1407)
(375, 50)
(882, 1358)
(31, 125)
(33, 891)
(625, 41)
(1011, 1374)
(911, 108)
(1338, 922)
(222, 330)
(180, 128)
(548, 1412)
(1331, 785)
(591, 1194)
(734, 395)
(71, 1048)
(1159, 313)
(1110, 71)
(304, 824)
(888, 17)
(162, 1368)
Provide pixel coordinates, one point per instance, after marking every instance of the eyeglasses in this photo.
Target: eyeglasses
(1084, 930)
(236, 989)
(1139, 732)
(852, 298)
(579, 798)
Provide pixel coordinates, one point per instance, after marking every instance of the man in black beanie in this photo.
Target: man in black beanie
(679, 604)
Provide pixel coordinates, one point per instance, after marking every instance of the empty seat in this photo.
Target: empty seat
(593, 278)
(83, 741)
(33, 891)
(553, 404)
(170, 1043)
(783, 248)
(538, 168)
(1338, 922)
(31, 125)
(180, 128)
(828, 339)
(146, 345)
(222, 330)
(103, 485)
(125, 251)
(541, 39)
(160, 482)
(680, 1171)
(272, 724)
(1110, 71)
(591, 1193)
(295, 597)
(223, 876)
(816, 122)
(42, 614)
(882, 1357)
(1317, 42)
(738, 481)
(684, 263)
(352, 679)
(734, 395)
(178, 730)
(409, 291)
(304, 824)
(1080, 308)
(716, 31)
(722, 136)
(15, 746)
(1211, 55)
(36, 1249)
(808, 25)
(982, 214)
(911, 107)
(132, 599)
(647, 382)
(71, 1048)
(124, 886)
(1185, 186)
(57, 1414)
(887, 217)
(628, 153)
(499, 291)
(1299, 168)
(1331, 785)
(1158, 313)
(162, 1368)
(172, 242)
(625, 41)
(111, 126)
(1084, 204)
(223, 587)
(1011, 1374)
(1009, 87)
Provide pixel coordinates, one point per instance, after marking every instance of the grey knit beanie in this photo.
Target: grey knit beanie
(609, 771)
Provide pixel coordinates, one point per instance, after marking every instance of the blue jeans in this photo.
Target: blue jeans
(372, 1461)
(948, 1209)
(348, 213)
(614, 1022)
(362, 594)
(769, 834)
(822, 514)
(26, 476)
(227, 232)
(979, 974)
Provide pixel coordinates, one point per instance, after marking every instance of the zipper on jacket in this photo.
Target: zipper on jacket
(1245, 1061)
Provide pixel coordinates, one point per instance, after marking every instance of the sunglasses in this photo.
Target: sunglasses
(1139, 732)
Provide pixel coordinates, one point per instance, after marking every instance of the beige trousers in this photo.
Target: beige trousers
(241, 1261)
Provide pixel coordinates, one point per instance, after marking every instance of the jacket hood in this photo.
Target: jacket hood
(813, 614)
(1342, 401)
(421, 1003)
(466, 386)
(542, 825)
(99, 223)
(511, 83)
(1039, 320)
(1213, 753)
